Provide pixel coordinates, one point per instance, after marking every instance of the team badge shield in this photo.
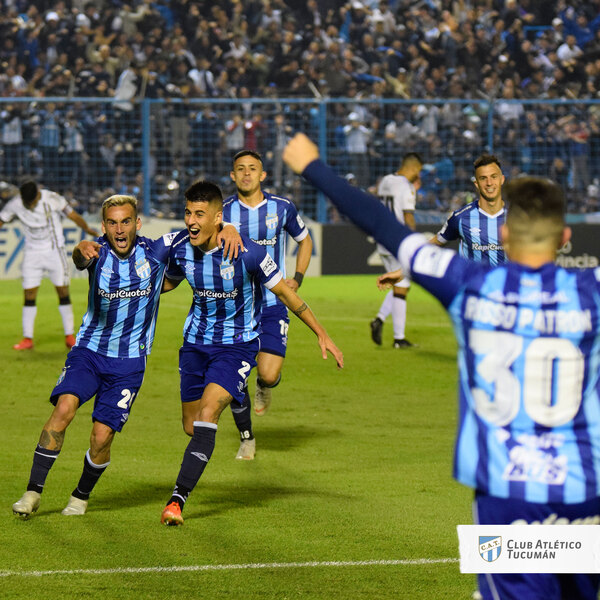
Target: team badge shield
(271, 221)
(142, 268)
(227, 271)
(490, 547)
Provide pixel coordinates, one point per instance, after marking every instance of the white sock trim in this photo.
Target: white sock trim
(205, 424)
(93, 464)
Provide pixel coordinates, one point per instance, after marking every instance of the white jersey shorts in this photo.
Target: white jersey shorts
(38, 264)
(390, 263)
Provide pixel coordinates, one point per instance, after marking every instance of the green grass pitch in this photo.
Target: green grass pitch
(353, 467)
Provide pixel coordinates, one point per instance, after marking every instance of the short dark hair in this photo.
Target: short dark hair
(412, 156)
(204, 191)
(535, 197)
(28, 192)
(536, 208)
(251, 153)
(484, 160)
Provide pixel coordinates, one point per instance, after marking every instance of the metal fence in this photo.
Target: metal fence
(89, 147)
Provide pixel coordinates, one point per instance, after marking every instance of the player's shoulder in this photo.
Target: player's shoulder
(467, 208)
(229, 201)
(279, 199)
(53, 198)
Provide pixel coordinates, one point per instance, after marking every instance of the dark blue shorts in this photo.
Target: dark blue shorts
(114, 381)
(536, 586)
(274, 322)
(227, 365)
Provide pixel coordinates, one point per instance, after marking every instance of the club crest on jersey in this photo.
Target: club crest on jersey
(490, 547)
(227, 271)
(271, 221)
(142, 268)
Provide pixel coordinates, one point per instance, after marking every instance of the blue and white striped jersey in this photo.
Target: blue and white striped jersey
(529, 368)
(478, 232)
(227, 295)
(123, 298)
(266, 225)
(529, 359)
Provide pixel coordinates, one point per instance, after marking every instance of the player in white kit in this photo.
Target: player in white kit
(398, 191)
(40, 211)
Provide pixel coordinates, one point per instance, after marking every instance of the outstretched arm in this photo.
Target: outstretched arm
(302, 156)
(289, 297)
(84, 253)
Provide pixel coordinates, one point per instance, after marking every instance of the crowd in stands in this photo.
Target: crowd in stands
(183, 51)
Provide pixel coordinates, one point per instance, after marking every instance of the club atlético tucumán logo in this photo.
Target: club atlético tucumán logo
(490, 547)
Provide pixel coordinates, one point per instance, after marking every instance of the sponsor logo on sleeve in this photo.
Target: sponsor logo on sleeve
(432, 261)
(268, 266)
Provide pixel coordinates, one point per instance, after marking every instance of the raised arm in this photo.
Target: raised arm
(302, 156)
(289, 297)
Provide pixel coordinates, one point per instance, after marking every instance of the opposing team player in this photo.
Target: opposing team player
(40, 211)
(266, 219)
(398, 192)
(221, 330)
(529, 345)
(478, 224)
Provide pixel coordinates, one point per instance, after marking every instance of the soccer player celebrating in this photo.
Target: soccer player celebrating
(109, 358)
(478, 224)
(266, 218)
(529, 344)
(398, 191)
(221, 330)
(40, 211)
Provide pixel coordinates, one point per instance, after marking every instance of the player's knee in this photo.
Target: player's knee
(270, 378)
(63, 413)
(100, 441)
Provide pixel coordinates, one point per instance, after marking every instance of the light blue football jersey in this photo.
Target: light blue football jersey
(267, 225)
(478, 232)
(123, 298)
(227, 295)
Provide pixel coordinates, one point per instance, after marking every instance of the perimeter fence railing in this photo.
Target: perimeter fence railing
(87, 148)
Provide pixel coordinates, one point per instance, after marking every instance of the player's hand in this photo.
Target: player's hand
(88, 249)
(292, 283)
(387, 280)
(229, 239)
(327, 345)
(299, 152)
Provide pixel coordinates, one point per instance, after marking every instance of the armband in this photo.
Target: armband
(298, 277)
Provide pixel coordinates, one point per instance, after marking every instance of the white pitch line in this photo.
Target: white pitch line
(176, 569)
